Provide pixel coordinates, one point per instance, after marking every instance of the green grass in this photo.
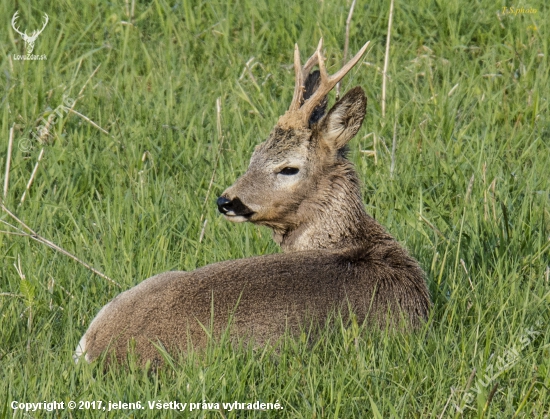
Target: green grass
(469, 197)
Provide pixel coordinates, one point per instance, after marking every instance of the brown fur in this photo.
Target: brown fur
(335, 255)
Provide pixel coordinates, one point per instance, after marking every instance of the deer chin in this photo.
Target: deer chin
(238, 218)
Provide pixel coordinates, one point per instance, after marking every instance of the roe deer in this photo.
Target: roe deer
(300, 184)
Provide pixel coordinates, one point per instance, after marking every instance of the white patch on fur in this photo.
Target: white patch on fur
(234, 218)
(80, 350)
(81, 347)
(335, 126)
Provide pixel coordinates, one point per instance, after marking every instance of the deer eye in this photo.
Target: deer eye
(289, 171)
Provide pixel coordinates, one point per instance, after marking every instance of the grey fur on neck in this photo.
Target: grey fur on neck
(334, 219)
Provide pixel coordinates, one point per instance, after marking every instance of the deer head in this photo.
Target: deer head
(299, 182)
(29, 39)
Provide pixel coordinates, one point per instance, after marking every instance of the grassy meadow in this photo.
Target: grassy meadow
(171, 98)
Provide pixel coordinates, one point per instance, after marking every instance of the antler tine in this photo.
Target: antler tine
(351, 63)
(328, 82)
(301, 74)
(298, 86)
(313, 60)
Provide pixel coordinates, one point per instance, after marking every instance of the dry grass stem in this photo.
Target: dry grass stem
(9, 294)
(469, 190)
(219, 117)
(446, 404)
(467, 273)
(33, 175)
(37, 237)
(346, 44)
(489, 399)
(22, 277)
(470, 379)
(8, 163)
(384, 144)
(76, 71)
(92, 123)
(374, 141)
(485, 205)
(452, 90)
(246, 68)
(12, 233)
(494, 196)
(80, 95)
(87, 81)
(434, 228)
(386, 61)
(218, 153)
(393, 150)
(369, 153)
(202, 231)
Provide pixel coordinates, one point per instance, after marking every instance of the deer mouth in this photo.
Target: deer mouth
(238, 218)
(234, 210)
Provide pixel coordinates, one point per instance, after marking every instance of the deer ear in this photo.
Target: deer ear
(344, 119)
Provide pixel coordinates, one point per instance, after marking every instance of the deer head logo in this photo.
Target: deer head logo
(29, 39)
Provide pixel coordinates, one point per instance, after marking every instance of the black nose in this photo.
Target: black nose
(224, 205)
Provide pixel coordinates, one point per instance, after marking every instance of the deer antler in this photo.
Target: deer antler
(301, 74)
(13, 22)
(46, 17)
(299, 111)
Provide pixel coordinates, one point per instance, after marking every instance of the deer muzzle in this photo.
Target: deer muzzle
(234, 209)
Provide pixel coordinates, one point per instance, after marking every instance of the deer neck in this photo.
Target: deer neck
(334, 218)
